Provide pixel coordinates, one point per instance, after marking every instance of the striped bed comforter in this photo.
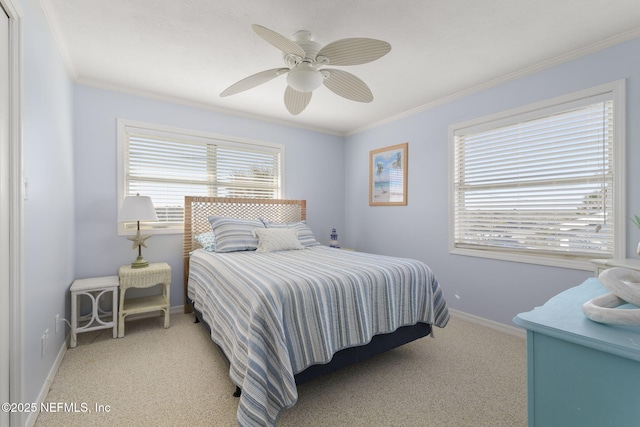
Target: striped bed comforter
(275, 314)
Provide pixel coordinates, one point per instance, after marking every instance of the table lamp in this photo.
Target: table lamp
(138, 208)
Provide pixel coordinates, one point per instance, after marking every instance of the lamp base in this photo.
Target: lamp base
(139, 262)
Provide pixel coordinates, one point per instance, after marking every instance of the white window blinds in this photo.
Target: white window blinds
(539, 183)
(169, 165)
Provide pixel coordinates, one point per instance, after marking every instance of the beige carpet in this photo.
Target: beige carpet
(468, 375)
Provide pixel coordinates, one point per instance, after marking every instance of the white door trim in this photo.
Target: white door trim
(16, 368)
(5, 323)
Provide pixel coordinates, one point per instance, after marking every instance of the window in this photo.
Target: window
(542, 184)
(168, 164)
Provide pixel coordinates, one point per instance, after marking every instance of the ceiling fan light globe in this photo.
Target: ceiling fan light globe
(304, 79)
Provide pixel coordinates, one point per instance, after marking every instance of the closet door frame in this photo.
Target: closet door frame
(11, 343)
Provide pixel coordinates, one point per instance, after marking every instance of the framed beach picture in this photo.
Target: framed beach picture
(388, 176)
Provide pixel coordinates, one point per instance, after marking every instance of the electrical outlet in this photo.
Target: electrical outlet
(57, 321)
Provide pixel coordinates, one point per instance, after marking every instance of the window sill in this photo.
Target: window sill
(575, 264)
(172, 229)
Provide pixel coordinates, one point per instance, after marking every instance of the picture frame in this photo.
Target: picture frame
(388, 176)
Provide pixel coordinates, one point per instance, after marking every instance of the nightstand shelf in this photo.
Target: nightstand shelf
(154, 274)
(144, 304)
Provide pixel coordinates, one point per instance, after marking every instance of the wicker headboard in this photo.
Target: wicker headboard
(197, 210)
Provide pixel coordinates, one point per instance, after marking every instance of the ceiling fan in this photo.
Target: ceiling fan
(305, 58)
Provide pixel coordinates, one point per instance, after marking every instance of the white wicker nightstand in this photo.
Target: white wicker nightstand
(156, 274)
(94, 288)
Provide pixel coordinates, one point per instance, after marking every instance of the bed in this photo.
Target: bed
(284, 309)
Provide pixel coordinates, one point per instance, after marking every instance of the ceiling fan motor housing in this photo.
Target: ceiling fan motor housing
(304, 39)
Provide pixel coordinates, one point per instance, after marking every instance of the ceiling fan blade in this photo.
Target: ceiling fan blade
(278, 40)
(254, 80)
(354, 51)
(296, 101)
(347, 86)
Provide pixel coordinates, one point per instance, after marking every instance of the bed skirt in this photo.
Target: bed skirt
(348, 356)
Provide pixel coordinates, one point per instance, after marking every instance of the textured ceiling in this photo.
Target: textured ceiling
(191, 50)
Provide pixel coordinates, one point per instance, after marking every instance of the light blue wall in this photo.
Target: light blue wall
(314, 170)
(69, 146)
(49, 226)
(496, 290)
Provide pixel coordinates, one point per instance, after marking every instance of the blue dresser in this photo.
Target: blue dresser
(580, 373)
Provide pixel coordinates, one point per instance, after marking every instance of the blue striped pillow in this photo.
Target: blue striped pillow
(305, 235)
(233, 234)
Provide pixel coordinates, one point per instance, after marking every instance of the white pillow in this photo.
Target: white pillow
(277, 239)
(305, 235)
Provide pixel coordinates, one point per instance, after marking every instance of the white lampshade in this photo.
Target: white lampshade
(137, 208)
(304, 79)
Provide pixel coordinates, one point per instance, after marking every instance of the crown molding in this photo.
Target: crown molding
(552, 62)
(201, 105)
(54, 25)
(577, 53)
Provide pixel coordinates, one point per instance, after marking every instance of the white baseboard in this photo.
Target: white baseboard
(33, 416)
(508, 329)
(177, 309)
